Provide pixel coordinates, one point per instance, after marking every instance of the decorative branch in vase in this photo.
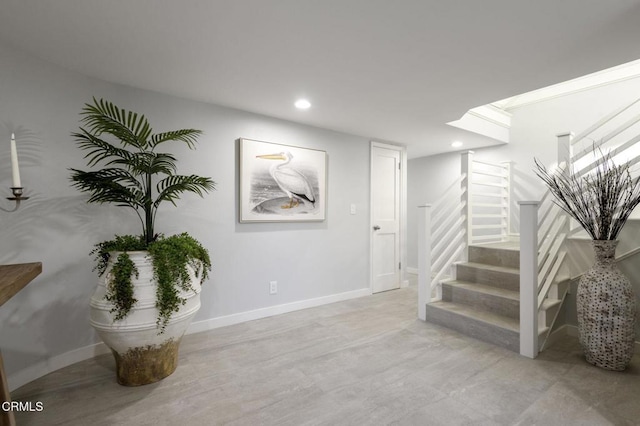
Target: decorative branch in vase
(601, 202)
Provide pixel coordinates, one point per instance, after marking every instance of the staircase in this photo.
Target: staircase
(484, 300)
(473, 277)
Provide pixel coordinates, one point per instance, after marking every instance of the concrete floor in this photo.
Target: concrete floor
(367, 361)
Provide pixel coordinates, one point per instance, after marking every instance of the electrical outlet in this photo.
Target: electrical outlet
(273, 287)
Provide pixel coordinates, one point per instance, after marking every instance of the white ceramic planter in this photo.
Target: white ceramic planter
(142, 354)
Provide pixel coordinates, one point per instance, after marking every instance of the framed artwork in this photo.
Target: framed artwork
(281, 183)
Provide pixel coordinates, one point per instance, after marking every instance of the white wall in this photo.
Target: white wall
(49, 318)
(533, 134)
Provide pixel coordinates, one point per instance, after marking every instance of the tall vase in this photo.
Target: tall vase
(143, 355)
(606, 311)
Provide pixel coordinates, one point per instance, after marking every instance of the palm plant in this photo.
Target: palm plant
(131, 169)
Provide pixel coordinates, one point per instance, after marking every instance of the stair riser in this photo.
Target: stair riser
(487, 302)
(474, 328)
(558, 290)
(496, 257)
(499, 279)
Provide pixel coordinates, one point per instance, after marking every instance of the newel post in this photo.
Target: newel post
(565, 151)
(529, 278)
(466, 168)
(424, 260)
(565, 155)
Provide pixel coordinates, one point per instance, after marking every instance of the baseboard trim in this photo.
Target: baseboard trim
(557, 335)
(31, 373)
(572, 330)
(270, 311)
(413, 271)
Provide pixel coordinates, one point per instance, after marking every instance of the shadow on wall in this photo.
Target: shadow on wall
(55, 302)
(524, 186)
(51, 314)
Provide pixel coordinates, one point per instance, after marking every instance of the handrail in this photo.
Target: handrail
(441, 243)
(602, 122)
(546, 242)
(552, 258)
(441, 240)
(488, 164)
(607, 138)
(549, 279)
(491, 195)
(446, 209)
(446, 225)
(450, 222)
(436, 279)
(546, 258)
(617, 150)
(495, 185)
(442, 262)
(545, 210)
(484, 179)
(619, 258)
(553, 226)
(485, 173)
(446, 195)
(490, 205)
(628, 254)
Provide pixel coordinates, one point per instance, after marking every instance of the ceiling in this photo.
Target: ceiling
(388, 70)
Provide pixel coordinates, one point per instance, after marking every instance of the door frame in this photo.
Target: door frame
(402, 150)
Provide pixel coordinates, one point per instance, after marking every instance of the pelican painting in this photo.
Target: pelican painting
(281, 183)
(291, 181)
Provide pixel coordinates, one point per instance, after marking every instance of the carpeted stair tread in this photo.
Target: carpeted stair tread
(484, 288)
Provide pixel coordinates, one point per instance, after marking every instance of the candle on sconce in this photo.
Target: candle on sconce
(15, 168)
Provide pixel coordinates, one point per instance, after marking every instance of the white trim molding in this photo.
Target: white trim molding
(590, 81)
(486, 120)
(572, 330)
(31, 373)
(270, 311)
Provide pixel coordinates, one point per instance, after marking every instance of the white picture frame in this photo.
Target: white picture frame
(281, 183)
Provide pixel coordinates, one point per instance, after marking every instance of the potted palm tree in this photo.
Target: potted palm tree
(149, 285)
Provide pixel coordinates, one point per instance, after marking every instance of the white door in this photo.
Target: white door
(385, 218)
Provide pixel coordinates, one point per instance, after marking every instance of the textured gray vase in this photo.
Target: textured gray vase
(606, 311)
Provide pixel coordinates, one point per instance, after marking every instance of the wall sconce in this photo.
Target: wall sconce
(17, 198)
(16, 189)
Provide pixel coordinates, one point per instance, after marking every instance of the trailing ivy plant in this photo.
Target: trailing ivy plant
(170, 257)
(119, 288)
(133, 173)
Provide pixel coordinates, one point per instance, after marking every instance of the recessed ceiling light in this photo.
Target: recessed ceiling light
(302, 104)
(456, 144)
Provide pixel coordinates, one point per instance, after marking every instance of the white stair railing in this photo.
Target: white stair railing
(474, 208)
(543, 231)
(544, 227)
(441, 242)
(488, 199)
